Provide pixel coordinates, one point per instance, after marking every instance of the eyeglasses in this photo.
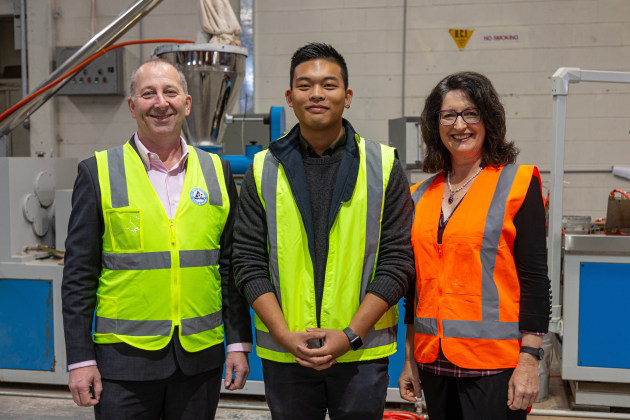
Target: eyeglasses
(469, 115)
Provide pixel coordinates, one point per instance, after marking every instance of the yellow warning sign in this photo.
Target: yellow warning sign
(461, 36)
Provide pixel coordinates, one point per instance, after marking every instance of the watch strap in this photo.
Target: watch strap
(355, 340)
(535, 351)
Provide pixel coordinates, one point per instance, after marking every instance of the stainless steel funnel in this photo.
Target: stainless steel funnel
(214, 73)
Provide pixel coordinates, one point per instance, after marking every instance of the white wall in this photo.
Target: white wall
(589, 34)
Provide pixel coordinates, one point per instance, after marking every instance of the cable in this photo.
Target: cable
(622, 192)
(46, 248)
(401, 415)
(78, 67)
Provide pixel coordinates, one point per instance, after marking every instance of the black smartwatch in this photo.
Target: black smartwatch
(355, 340)
(538, 352)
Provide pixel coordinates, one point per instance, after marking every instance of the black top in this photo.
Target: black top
(319, 186)
(530, 258)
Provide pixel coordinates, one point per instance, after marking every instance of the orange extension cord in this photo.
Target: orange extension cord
(622, 192)
(401, 415)
(78, 67)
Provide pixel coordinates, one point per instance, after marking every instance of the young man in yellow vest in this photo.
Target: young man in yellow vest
(322, 252)
(148, 257)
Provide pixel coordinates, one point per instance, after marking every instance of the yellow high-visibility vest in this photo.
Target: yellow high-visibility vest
(159, 273)
(352, 255)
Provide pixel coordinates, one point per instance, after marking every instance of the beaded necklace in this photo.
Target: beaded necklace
(453, 192)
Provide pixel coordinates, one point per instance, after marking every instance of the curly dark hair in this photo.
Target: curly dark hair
(315, 51)
(478, 88)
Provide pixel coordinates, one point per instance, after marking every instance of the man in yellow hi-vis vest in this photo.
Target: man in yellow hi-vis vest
(322, 252)
(148, 261)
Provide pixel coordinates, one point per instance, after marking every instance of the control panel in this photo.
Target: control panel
(103, 76)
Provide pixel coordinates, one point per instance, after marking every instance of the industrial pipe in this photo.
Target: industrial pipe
(578, 414)
(104, 38)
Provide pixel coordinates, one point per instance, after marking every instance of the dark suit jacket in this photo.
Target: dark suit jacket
(80, 282)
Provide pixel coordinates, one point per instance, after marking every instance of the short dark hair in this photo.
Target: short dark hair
(478, 88)
(315, 51)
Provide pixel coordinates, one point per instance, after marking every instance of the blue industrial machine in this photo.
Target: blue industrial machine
(34, 212)
(590, 277)
(265, 128)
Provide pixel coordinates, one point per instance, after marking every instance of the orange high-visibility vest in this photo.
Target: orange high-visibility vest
(467, 288)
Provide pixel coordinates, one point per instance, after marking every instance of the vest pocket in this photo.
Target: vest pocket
(125, 229)
(462, 268)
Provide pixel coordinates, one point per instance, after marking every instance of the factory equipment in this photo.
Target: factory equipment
(594, 280)
(34, 212)
(405, 136)
(33, 219)
(214, 72)
(57, 79)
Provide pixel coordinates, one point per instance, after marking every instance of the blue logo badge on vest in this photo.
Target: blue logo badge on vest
(198, 196)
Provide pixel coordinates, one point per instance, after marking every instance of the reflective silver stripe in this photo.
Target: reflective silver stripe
(117, 177)
(265, 340)
(200, 324)
(210, 176)
(268, 190)
(376, 338)
(490, 327)
(137, 261)
(198, 258)
(422, 188)
(490, 244)
(425, 326)
(491, 330)
(131, 327)
(374, 180)
(419, 192)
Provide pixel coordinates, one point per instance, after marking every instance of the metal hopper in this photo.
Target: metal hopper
(214, 73)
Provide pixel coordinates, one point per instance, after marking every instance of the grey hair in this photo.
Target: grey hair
(132, 80)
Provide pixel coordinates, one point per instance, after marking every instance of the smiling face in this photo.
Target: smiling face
(463, 141)
(158, 103)
(318, 96)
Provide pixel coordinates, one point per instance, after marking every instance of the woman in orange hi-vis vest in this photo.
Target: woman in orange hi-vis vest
(481, 307)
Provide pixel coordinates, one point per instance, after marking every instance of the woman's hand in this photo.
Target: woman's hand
(523, 386)
(409, 382)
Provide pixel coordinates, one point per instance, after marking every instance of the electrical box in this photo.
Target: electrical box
(404, 135)
(103, 76)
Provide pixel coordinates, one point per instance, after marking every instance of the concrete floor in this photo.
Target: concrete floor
(54, 402)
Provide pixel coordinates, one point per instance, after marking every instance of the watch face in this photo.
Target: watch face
(356, 343)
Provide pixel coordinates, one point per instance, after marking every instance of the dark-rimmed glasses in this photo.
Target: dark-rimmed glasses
(449, 116)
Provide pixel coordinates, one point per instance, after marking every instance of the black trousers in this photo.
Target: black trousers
(349, 391)
(478, 398)
(178, 397)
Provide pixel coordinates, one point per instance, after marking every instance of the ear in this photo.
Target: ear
(132, 107)
(349, 94)
(287, 95)
(188, 104)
